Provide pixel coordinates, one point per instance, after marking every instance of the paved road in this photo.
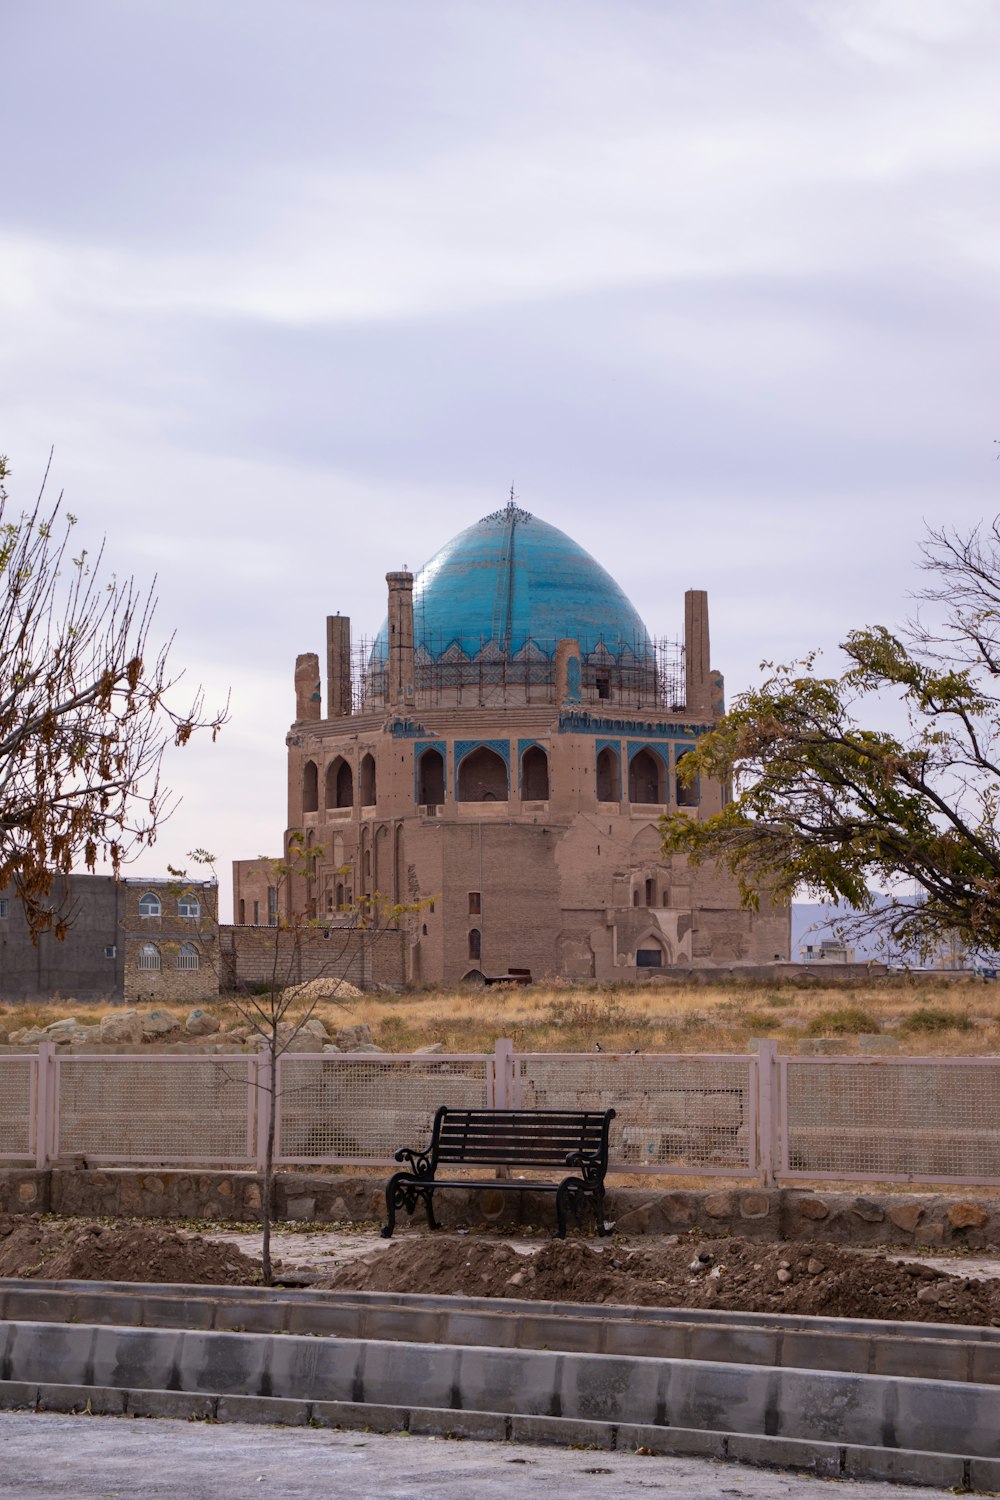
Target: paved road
(48, 1457)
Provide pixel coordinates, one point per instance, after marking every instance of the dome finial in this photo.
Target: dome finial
(511, 512)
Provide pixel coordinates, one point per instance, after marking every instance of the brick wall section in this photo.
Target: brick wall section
(168, 933)
(367, 959)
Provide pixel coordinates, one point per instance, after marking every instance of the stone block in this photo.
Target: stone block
(199, 1023)
(27, 1192)
(785, 1453)
(184, 1405)
(720, 1205)
(812, 1208)
(906, 1216)
(755, 1206)
(353, 1038)
(301, 1208)
(121, 1026)
(967, 1215)
(158, 1023)
(263, 1409)
(488, 1426)
(867, 1211)
(103, 1401)
(929, 1234)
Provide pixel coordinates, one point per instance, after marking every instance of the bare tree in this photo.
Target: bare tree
(278, 1009)
(85, 715)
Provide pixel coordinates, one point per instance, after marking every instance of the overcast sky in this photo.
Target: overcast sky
(298, 289)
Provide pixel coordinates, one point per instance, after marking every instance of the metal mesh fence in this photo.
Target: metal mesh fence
(673, 1113)
(345, 1110)
(936, 1120)
(191, 1109)
(17, 1125)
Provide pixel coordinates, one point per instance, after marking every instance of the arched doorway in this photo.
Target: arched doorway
(482, 777)
(430, 779)
(310, 787)
(339, 784)
(687, 791)
(534, 775)
(645, 778)
(609, 780)
(368, 788)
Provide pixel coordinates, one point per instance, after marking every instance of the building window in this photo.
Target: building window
(243, 912)
(110, 951)
(650, 893)
(272, 906)
(149, 906)
(329, 901)
(609, 784)
(310, 787)
(475, 943)
(340, 895)
(649, 958)
(188, 957)
(475, 903)
(604, 687)
(369, 794)
(535, 775)
(4, 907)
(149, 956)
(189, 906)
(256, 914)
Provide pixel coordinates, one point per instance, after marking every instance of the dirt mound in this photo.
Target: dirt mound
(322, 989)
(133, 1252)
(732, 1274)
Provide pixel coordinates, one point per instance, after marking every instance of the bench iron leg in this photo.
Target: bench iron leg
(432, 1223)
(561, 1213)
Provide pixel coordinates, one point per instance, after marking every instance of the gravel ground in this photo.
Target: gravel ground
(49, 1457)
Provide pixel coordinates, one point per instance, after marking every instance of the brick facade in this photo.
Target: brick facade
(170, 935)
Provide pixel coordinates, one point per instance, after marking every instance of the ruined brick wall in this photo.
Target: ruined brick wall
(251, 955)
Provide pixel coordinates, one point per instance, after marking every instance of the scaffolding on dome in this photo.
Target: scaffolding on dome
(646, 674)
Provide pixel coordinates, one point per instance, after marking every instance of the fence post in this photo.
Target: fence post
(502, 1069)
(44, 1088)
(767, 1069)
(263, 1106)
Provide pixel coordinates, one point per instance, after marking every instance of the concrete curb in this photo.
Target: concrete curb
(921, 1351)
(873, 1411)
(826, 1459)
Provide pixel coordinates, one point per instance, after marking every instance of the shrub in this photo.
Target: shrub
(845, 1020)
(934, 1018)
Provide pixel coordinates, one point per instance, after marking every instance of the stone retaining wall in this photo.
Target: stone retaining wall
(917, 1220)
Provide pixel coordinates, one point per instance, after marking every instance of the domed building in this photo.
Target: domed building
(504, 750)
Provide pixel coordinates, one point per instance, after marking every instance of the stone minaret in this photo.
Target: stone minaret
(400, 683)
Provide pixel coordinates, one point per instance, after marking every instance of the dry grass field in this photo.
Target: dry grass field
(923, 1015)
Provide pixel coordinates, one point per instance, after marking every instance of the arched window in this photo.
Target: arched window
(310, 787)
(188, 905)
(188, 957)
(340, 894)
(149, 956)
(650, 893)
(688, 794)
(339, 784)
(149, 906)
(645, 778)
(368, 864)
(482, 777)
(243, 912)
(431, 779)
(535, 775)
(609, 781)
(475, 943)
(368, 790)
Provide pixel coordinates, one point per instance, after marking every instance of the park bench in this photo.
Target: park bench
(535, 1140)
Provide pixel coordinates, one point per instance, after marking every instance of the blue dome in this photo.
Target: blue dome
(511, 579)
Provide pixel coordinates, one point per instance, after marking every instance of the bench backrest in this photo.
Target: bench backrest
(539, 1138)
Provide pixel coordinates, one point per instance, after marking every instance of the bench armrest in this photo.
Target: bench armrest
(585, 1159)
(420, 1162)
